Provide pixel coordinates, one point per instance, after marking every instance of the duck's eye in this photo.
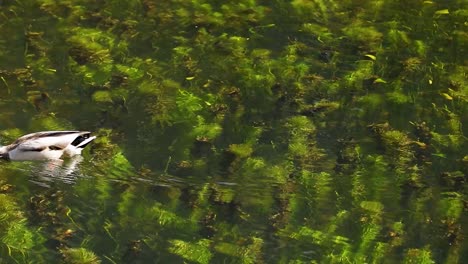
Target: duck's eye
(54, 148)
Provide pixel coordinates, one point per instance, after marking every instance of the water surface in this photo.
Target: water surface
(237, 132)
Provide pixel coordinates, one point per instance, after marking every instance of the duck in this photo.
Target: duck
(47, 145)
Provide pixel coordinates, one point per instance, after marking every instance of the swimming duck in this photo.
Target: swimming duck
(46, 145)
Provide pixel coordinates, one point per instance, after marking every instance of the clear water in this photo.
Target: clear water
(239, 132)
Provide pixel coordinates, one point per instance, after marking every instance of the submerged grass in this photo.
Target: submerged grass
(284, 131)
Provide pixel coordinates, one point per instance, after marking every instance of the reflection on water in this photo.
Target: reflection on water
(66, 171)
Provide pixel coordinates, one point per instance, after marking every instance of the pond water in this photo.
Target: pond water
(305, 131)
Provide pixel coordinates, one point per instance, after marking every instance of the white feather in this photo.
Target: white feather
(46, 145)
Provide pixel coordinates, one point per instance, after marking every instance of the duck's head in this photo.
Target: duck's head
(4, 153)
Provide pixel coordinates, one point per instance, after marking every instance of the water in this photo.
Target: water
(237, 132)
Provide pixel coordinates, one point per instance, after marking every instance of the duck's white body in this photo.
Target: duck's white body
(47, 145)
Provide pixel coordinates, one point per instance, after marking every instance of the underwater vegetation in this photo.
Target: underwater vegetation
(248, 131)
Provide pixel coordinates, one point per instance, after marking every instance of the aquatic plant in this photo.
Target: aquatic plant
(197, 252)
(80, 256)
(18, 241)
(242, 131)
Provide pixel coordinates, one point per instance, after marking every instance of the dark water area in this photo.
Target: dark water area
(305, 131)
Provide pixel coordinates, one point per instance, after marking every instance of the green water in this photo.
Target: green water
(304, 131)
